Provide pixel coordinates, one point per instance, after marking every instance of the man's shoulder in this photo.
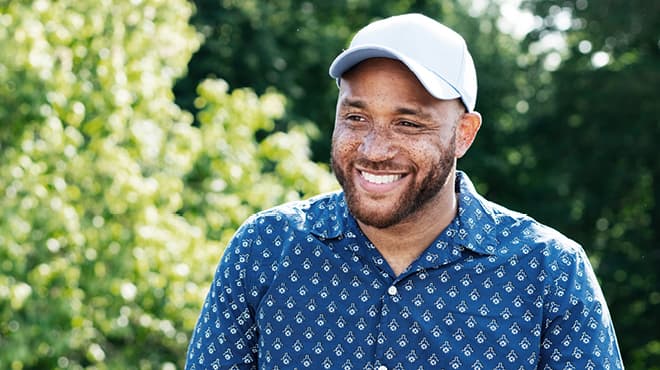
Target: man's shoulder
(283, 226)
(313, 206)
(530, 235)
(501, 230)
(303, 214)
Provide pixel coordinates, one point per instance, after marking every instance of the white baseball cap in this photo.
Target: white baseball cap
(436, 54)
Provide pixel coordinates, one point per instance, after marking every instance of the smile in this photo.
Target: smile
(380, 179)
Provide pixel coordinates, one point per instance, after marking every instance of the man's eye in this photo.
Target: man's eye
(409, 124)
(354, 117)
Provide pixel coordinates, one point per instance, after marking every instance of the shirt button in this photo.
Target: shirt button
(391, 291)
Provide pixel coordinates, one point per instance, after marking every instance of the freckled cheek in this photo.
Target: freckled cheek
(424, 155)
(344, 144)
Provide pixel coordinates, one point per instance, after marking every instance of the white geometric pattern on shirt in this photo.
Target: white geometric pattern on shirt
(287, 299)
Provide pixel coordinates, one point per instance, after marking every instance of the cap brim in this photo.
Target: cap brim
(434, 84)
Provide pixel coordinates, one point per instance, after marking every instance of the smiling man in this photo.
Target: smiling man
(407, 267)
(394, 154)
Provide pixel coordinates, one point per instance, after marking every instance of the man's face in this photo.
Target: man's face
(394, 145)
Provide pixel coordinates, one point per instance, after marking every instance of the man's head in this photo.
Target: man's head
(437, 55)
(395, 142)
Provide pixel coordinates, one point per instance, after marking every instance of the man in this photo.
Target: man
(408, 267)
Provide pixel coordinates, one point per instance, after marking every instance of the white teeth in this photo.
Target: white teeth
(376, 179)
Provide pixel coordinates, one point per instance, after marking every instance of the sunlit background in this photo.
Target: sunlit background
(137, 135)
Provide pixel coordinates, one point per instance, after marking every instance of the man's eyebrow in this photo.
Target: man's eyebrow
(413, 112)
(353, 103)
(360, 104)
(409, 111)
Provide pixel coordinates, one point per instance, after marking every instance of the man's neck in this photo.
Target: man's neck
(403, 243)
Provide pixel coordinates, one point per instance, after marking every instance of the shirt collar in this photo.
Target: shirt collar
(328, 217)
(477, 222)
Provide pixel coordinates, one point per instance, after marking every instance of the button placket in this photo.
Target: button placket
(391, 293)
(392, 290)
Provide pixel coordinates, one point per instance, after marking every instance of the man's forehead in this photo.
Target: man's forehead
(379, 64)
(386, 77)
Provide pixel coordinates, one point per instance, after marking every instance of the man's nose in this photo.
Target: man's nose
(378, 146)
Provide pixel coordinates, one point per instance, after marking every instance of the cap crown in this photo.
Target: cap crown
(436, 54)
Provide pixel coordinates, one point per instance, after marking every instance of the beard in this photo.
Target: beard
(419, 195)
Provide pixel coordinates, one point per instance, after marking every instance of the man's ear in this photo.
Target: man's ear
(466, 130)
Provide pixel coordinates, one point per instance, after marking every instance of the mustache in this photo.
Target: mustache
(388, 165)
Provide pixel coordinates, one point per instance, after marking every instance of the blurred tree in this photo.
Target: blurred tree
(592, 101)
(235, 176)
(594, 126)
(106, 252)
(93, 149)
(289, 44)
(114, 208)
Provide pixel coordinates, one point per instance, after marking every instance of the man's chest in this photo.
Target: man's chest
(339, 311)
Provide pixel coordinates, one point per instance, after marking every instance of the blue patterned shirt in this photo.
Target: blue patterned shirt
(301, 287)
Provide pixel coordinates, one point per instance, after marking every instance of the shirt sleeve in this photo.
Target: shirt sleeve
(578, 331)
(225, 336)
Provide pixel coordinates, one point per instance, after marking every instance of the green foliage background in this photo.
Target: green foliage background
(114, 208)
(128, 161)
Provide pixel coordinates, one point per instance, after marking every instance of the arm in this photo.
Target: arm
(225, 336)
(578, 330)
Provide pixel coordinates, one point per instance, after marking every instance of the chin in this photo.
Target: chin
(378, 213)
